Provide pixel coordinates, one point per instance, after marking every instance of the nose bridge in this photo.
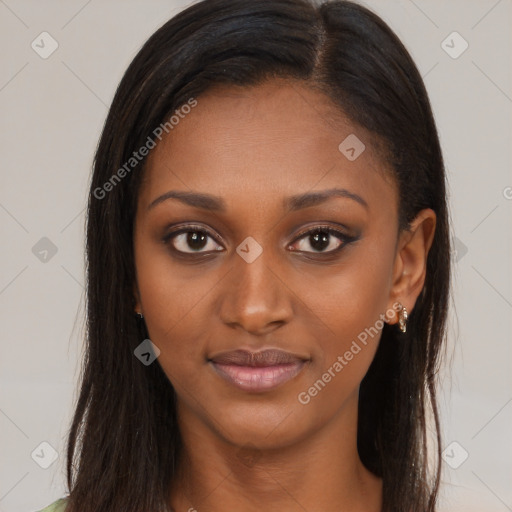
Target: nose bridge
(255, 297)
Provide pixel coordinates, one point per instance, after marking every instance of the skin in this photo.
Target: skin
(253, 147)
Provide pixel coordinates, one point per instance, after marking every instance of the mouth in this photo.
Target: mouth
(257, 371)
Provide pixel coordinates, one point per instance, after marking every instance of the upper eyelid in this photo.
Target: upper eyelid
(193, 227)
(190, 228)
(319, 227)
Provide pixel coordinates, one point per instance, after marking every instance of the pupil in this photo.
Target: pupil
(320, 240)
(196, 240)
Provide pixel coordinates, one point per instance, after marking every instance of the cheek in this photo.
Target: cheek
(176, 300)
(351, 297)
(173, 326)
(341, 360)
(351, 302)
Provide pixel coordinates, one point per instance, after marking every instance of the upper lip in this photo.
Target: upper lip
(269, 357)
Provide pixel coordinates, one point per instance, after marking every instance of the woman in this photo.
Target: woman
(268, 271)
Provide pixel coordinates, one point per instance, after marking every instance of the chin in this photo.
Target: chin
(263, 425)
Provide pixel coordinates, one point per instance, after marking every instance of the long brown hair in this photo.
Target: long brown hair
(124, 442)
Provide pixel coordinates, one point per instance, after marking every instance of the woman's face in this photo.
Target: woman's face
(238, 269)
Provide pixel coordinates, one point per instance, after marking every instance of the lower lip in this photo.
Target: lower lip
(250, 378)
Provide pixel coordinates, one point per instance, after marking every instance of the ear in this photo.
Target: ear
(410, 266)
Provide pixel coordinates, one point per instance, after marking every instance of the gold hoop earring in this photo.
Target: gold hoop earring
(402, 318)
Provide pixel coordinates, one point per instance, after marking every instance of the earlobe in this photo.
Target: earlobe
(410, 265)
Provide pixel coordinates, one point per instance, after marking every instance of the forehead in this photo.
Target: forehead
(264, 142)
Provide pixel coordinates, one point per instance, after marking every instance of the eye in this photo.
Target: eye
(190, 240)
(321, 238)
(197, 240)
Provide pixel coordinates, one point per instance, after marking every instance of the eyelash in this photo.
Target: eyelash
(344, 239)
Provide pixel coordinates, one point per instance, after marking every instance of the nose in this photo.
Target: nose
(254, 296)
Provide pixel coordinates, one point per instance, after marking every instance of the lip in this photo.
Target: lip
(257, 371)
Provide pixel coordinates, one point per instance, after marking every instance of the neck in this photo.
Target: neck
(320, 472)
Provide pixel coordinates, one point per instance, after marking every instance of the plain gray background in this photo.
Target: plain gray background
(52, 112)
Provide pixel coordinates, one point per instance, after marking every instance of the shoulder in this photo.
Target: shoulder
(57, 506)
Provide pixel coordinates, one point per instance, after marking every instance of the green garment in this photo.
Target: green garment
(58, 506)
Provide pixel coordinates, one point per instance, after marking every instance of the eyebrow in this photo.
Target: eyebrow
(293, 203)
